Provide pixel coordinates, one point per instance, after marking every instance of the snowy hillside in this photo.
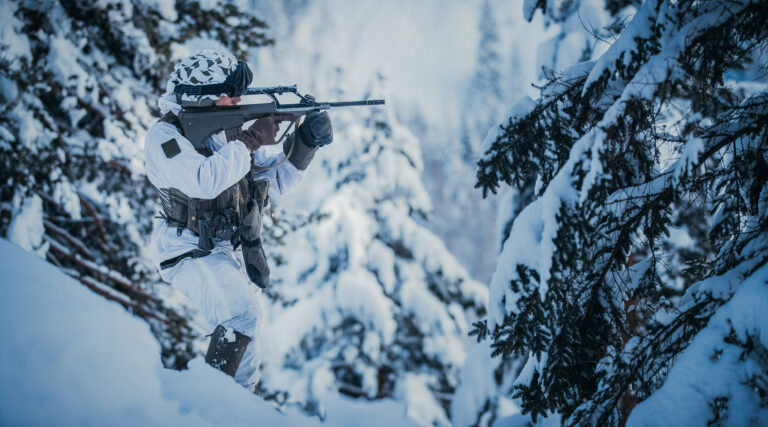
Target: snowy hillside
(70, 357)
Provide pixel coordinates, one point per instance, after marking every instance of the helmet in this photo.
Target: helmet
(206, 76)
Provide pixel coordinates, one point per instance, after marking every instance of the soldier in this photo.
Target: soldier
(220, 192)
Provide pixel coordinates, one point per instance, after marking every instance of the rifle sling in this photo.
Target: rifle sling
(290, 150)
(194, 253)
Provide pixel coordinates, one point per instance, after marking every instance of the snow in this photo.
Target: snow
(421, 406)
(620, 49)
(521, 108)
(30, 133)
(13, 44)
(66, 195)
(62, 58)
(359, 294)
(381, 261)
(442, 336)
(229, 335)
(26, 229)
(534, 230)
(167, 8)
(477, 387)
(689, 156)
(8, 90)
(70, 357)
(529, 8)
(687, 395)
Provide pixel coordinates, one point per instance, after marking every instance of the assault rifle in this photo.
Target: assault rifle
(199, 123)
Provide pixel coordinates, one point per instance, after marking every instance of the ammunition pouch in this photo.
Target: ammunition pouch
(225, 226)
(205, 232)
(222, 218)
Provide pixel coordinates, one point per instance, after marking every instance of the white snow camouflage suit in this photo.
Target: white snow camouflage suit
(216, 284)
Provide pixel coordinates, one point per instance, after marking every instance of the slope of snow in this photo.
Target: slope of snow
(69, 357)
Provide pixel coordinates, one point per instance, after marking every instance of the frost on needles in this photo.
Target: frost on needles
(649, 218)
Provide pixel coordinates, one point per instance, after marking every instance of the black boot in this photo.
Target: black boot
(225, 354)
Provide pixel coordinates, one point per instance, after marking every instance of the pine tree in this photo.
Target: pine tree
(481, 109)
(651, 140)
(583, 27)
(483, 105)
(535, 52)
(369, 303)
(79, 84)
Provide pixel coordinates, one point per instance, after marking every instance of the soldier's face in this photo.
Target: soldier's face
(227, 101)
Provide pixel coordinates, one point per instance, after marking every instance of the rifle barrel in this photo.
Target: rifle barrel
(354, 103)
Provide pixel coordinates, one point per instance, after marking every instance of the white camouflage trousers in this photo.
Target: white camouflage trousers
(219, 288)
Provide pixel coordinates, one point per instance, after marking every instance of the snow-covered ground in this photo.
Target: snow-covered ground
(70, 357)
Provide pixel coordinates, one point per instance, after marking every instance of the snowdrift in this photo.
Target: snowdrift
(70, 357)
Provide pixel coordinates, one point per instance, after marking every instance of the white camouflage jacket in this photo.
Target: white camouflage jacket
(203, 177)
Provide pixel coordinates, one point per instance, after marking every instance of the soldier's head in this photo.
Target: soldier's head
(208, 78)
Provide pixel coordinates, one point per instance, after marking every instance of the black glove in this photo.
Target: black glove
(316, 130)
(262, 132)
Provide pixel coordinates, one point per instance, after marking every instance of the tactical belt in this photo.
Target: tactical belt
(194, 253)
(199, 253)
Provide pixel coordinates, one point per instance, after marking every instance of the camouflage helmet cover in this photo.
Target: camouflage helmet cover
(203, 68)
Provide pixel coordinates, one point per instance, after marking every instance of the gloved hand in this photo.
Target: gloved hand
(316, 130)
(262, 132)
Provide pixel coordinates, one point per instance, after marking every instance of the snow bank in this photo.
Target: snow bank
(713, 379)
(69, 357)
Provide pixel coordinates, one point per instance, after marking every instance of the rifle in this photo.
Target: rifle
(199, 123)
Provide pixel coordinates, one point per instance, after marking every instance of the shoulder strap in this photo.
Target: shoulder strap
(295, 123)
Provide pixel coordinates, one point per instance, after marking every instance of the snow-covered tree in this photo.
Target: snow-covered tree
(79, 82)
(582, 28)
(564, 35)
(657, 145)
(483, 106)
(368, 301)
